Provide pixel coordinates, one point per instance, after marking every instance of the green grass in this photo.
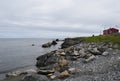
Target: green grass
(115, 39)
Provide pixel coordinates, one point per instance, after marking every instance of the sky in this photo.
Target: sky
(57, 18)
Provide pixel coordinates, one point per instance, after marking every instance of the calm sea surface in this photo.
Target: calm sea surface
(19, 54)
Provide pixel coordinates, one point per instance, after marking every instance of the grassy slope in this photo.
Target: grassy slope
(109, 38)
(106, 39)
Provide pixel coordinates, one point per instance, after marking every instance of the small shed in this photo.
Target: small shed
(110, 31)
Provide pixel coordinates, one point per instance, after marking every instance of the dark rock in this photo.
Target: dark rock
(73, 58)
(45, 72)
(71, 41)
(33, 44)
(46, 45)
(35, 77)
(53, 43)
(47, 59)
(57, 39)
(63, 68)
(101, 49)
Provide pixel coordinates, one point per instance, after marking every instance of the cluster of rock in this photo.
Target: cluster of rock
(49, 44)
(84, 61)
(58, 63)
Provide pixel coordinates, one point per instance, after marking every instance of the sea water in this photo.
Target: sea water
(18, 53)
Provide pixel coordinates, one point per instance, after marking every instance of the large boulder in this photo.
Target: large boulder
(34, 77)
(47, 59)
(53, 43)
(71, 41)
(46, 45)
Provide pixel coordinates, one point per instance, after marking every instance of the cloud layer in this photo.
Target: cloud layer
(57, 18)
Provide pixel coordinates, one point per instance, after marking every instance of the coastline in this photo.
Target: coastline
(80, 61)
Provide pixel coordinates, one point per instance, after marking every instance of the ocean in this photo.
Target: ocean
(18, 54)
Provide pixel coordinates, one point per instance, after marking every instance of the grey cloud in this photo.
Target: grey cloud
(82, 17)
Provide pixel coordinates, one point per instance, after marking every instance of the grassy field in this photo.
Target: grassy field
(115, 39)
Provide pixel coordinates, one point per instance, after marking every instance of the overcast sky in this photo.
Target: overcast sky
(57, 18)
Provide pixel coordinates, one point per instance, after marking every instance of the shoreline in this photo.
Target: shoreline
(87, 60)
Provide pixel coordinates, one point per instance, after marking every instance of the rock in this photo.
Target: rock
(52, 77)
(33, 44)
(91, 58)
(47, 59)
(31, 71)
(82, 53)
(53, 43)
(35, 77)
(56, 67)
(57, 39)
(72, 70)
(101, 49)
(13, 74)
(70, 41)
(63, 68)
(49, 74)
(105, 53)
(64, 74)
(95, 51)
(75, 53)
(62, 53)
(63, 62)
(46, 45)
(118, 58)
(115, 46)
(45, 72)
(73, 58)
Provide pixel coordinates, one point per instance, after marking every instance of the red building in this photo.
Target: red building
(110, 31)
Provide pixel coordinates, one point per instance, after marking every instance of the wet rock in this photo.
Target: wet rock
(33, 44)
(47, 59)
(31, 71)
(45, 72)
(53, 43)
(70, 41)
(34, 77)
(57, 39)
(13, 74)
(46, 45)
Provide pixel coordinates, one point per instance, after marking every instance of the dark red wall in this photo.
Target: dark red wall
(110, 31)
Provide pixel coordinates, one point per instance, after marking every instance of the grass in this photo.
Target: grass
(115, 39)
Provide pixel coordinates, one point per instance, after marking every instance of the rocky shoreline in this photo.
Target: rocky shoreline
(75, 61)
